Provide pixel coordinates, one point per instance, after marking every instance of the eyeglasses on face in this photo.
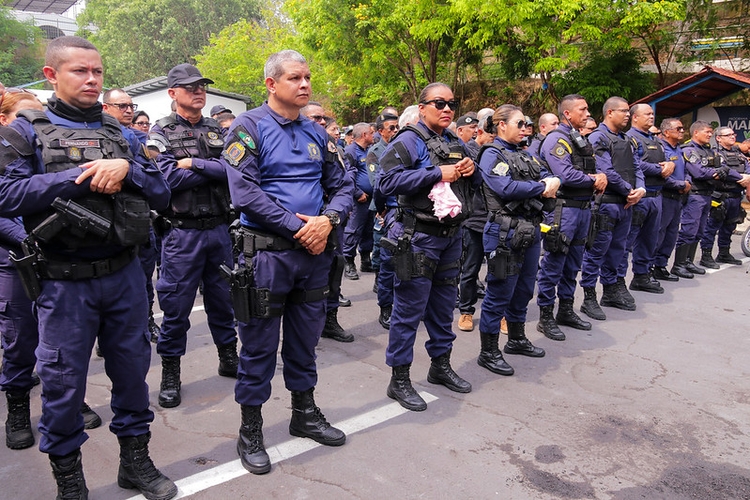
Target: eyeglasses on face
(142, 124)
(14, 90)
(728, 135)
(394, 128)
(194, 87)
(123, 107)
(318, 118)
(440, 104)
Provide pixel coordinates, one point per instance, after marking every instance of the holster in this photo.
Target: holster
(27, 271)
(523, 236)
(401, 256)
(502, 262)
(639, 217)
(335, 274)
(555, 241)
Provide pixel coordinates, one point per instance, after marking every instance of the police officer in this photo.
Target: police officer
(570, 157)
(280, 167)
(724, 218)
(196, 239)
(89, 284)
(466, 126)
(425, 249)
(675, 190)
(514, 186)
(547, 123)
(644, 227)
(704, 166)
(358, 230)
(625, 188)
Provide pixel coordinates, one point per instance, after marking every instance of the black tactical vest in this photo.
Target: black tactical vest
(734, 159)
(66, 148)
(653, 152)
(707, 158)
(582, 159)
(621, 153)
(521, 167)
(210, 199)
(441, 153)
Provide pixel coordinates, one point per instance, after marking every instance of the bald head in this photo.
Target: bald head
(547, 123)
(642, 117)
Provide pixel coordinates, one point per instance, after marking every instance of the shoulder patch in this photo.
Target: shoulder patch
(692, 158)
(245, 138)
(234, 153)
(501, 169)
(332, 148)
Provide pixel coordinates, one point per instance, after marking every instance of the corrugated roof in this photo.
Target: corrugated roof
(696, 91)
(45, 6)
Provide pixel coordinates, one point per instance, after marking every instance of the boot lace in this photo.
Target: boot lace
(18, 415)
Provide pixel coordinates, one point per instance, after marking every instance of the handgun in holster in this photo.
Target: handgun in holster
(27, 267)
(401, 256)
(78, 219)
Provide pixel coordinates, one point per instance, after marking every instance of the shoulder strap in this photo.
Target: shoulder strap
(34, 116)
(485, 147)
(167, 122)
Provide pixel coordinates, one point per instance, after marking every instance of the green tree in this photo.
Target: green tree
(142, 39)
(21, 50)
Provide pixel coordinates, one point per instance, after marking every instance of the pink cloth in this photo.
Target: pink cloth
(445, 200)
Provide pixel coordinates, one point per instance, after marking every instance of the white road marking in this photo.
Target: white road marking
(744, 260)
(288, 449)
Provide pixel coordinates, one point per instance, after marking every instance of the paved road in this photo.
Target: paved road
(650, 404)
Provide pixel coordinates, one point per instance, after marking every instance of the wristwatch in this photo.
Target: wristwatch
(333, 217)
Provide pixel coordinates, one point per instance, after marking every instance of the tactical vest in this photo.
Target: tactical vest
(211, 198)
(441, 153)
(583, 160)
(621, 153)
(653, 152)
(707, 158)
(521, 167)
(66, 148)
(734, 159)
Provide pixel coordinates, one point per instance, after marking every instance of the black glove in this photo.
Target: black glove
(722, 172)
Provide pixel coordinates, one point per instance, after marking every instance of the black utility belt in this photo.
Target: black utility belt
(672, 195)
(652, 194)
(254, 240)
(614, 198)
(584, 204)
(731, 194)
(701, 193)
(202, 223)
(60, 270)
(436, 230)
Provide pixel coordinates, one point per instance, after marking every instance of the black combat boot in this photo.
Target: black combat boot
(660, 273)
(611, 297)
(385, 317)
(68, 473)
(137, 471)
(375, 282)
(442, 373)
(547, 324)
(402, 391)
(567, 316)
(491, 357)
(333, 330)
(707, 259)
(519, 344)
(18, 433)
(350, 269)
(153, 328)
(645, 283)
(622, 289)
(679, 268)
(91, 419)
(250, 446)
(590, 306)
(308, 421)
(692, 248)
(228, 360)
(365, 263)
(727, 258)
(169, 394)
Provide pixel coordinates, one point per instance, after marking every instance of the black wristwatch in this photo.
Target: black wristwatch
(334, 218)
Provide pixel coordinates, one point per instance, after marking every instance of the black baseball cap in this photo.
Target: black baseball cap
(467, 119)
(219, 108)
(384, 117)
(185, 74)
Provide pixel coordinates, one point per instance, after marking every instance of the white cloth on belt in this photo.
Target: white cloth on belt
(445, 200)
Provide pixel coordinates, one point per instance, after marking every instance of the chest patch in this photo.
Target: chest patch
(314, 152)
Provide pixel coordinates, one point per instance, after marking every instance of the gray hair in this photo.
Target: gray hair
(723, 130)
(274, 67)
(482, 116)
(360, 129)
(410, 116)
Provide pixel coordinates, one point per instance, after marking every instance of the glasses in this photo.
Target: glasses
(728, 135)
(317, 118)
(194, 87)
(519, 123)
(440, 104)
(14, 90)
(123, 107)
(623, 110)
(393, 128)
(142, 124)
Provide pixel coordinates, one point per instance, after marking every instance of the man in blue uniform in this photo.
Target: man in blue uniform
(704, 166)
(644, 228)
(425, 248)
(281, 167)
(547, 123)
(196, 241)
(625, 188)
(675, 189)
(724, 218)
(570, 157)
(358, 230)
(86, 279)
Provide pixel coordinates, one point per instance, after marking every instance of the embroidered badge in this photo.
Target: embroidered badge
(245, 137)
(501, 169)
(234, 153)
(332, 148)
(74, 153)
(371, 167)
(313, 151)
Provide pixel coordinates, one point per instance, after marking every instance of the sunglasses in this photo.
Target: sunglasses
(14, 90)
(317, 118)
(122, 107)
(440, 104)
(393, 128)
(193, 87)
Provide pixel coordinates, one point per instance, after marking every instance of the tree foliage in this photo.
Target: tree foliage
(141, 39)
(21, 50)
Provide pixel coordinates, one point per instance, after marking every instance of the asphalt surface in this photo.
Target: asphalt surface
(651, 404)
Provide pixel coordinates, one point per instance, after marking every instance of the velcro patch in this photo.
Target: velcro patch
(234, 153)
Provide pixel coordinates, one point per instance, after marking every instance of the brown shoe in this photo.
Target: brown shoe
(503, 326)
(466, 323)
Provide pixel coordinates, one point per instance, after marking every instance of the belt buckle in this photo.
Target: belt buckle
(101, 267)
